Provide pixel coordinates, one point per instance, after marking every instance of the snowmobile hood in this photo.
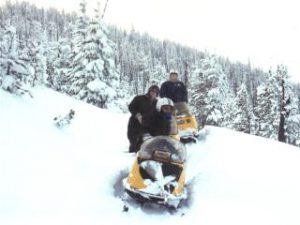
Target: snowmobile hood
(163, 148)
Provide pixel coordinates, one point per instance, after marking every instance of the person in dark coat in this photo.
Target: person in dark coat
(140, 106)
(176, 90)
(162, 121)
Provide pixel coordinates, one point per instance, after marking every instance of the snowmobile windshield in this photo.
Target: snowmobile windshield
(163, 148)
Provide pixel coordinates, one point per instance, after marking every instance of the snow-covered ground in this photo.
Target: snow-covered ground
(71, 175)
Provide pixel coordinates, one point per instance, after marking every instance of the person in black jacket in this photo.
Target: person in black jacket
(176, 90)
(140, 106)
(162, 121)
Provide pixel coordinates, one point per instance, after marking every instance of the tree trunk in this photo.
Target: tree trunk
(281, 129)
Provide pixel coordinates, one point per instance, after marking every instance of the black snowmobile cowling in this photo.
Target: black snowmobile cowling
(158, 172)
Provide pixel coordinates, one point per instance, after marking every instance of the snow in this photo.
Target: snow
(8, 81)
(98, 64)
(70, 175)
(153, 168)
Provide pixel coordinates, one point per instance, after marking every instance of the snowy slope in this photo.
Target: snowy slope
(71, 175)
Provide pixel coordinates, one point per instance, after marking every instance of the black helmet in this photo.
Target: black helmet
(154, 88)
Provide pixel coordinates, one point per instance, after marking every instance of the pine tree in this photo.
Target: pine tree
(244, 116)
(211, 95)
(37, 56)
(15, 72)
(287, 106)
(53, 63)
(293, 121)
(266, 109)
(92, 75)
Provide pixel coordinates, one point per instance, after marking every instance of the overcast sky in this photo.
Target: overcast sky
(265, 31)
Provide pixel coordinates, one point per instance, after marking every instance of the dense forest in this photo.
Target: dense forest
(106, 66)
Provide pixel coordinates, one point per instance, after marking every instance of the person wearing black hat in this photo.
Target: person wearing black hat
(140, 106)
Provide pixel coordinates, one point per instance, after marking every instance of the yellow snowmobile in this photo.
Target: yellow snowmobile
(187, 128)
(158, 172)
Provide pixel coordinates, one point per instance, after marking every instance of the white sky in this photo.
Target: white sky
(265, 31)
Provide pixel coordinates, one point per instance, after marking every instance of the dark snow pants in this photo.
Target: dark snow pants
(135, 132)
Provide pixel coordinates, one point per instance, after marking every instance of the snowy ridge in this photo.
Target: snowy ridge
(71, 175)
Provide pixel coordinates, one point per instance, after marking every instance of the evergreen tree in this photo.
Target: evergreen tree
(282, 75)
(52, 65)
(211, 95)
(37, 56)
(92, 76)
(293, 122)
(287, 106)
(244, 116)
(14, 72)
(266, 109)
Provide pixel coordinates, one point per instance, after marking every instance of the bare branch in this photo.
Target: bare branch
(104, 10)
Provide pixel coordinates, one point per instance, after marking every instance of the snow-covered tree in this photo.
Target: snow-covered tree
(266, 109)
(287, 106)
(14, 72)
(37, 55)
(244, 117)
(92, 75)
(52, 63)
(293, 122)
(211, 95)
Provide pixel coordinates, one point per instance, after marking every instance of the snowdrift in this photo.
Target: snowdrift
(72, 175)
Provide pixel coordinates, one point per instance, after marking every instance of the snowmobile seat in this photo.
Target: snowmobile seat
(171, 169)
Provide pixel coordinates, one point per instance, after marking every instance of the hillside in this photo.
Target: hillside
(70, 175)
